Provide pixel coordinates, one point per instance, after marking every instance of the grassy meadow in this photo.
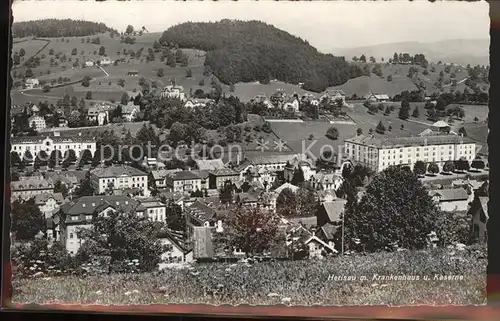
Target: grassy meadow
(306, 282)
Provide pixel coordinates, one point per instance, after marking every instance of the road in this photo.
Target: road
(458, 82)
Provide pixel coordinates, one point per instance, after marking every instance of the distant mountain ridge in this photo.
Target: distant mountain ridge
(48, 28)
(459, 51)
(246, 51)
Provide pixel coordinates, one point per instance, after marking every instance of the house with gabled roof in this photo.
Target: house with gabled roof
(480, 217)
(331, 212)
(130, 111)
(332, 95)
(78, 214)
(380, 98)
(452, 199)
(49, 203)
(183, 181)
(324, 181)
(30, 187)
(305, 164)
(179, 252)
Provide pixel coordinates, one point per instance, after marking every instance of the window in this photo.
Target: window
(70, 235)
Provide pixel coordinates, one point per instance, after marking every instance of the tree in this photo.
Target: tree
(175, 219)
(462, 131)
(86, 81)
(359, 131)
(85, 158)
(462, 164)
(59, 187)
(416, 112)
(226, 194)
(298, 177)
(404, 111)
(129, 30)
(387, 111)
(122, 237)
(395, 210)
(85, 188)
(478, 163)
(15, 159)
(449, 166)
(372, 59)
(160, 72)
(26, 219)
(29, 73)
(55, 157)
(88, 95)
(332, 133)
(189, 73)
(307, 205)
(433, 168)
(420, 168)
(22, 52)
(362, 58)
(125, 99)
(380, 128)
(286, 203)
(252, 230)
(389, 78)
(102, 51)
(74, 52)
(69, 158)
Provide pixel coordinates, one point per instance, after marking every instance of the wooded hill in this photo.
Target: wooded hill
(54, 28)
(244, 51)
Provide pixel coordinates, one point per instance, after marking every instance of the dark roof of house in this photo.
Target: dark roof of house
(307, 222)
(201, 211)
(246, 198)
(87, 205)
(183, 175)
(43, 198)
(395, 142)
(55, 139)
(334, 209)
(329, 230)
(28, 184)
(224, 172)
(117, 170)
(176, 238)
(450, 194)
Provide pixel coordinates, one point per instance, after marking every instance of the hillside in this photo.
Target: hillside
(459, 51)
(57, 28)
(246, 51)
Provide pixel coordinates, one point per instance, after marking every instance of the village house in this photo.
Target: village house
(159, 176)
(264, 176)
(198, 102)
(154, 209)
(218, 178)
(62, 122)
(89, 63)
(119, 177)
(152, 163)
(179, 252)
(331, 212)
(130, 111)
(204, 176)
(378, 153)
(32, 83)
(78, 214)
(262, 99)
(68, 179)
(292, 105)
(183, 181)
(451, 199)
(173, 91)
(332, 95)
(99, 113)
(37, 122)
(278, 98)
(246, 199)
(380, 98)
(105, 61)
(132, 73)
(49, 203)
(326, 181)
(479, 213)
(276, 162)
(26, 188)
(306, 165)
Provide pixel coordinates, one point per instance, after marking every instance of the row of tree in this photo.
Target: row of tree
(55, 28)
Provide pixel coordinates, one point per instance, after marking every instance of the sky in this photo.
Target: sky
(325, 24)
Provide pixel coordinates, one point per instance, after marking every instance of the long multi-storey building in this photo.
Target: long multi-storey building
(119, 177)
(35, 144)
(379, 153)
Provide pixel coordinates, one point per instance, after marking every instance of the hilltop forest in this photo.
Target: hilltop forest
(244, 51)
(54, 28)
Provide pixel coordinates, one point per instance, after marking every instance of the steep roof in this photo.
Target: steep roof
(209, 164)
(162, 173)
(450, 194)
(334, 209)
(117, 170)
(484, 204)
(43, 198)
(440, 124)
(88, 205)
(183, 175)
(307, 222)
(284, 186)
(223, 172)
(201, 211)
(35, 183)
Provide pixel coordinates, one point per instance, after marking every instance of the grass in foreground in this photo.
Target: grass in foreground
(270, 283)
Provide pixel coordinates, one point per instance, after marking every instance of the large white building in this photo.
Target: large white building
(379, 153)
(119, 177)
(35, 144)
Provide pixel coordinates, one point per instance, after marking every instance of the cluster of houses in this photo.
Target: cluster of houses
(255, 180)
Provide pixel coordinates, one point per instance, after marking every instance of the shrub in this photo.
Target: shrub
(332, 133)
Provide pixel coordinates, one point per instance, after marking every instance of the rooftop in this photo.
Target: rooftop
(55, 139)
(334, 209)
(35, 183)
(209, 164)
(87, 205)
(223, 172)
(450, 194)
(117, 170)
(394, 142)
(41, 199)
(183, 175)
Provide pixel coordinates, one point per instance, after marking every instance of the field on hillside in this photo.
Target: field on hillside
(101, 87)
(29, 45)
(400, 82)
(248, 91)
(293, 283)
